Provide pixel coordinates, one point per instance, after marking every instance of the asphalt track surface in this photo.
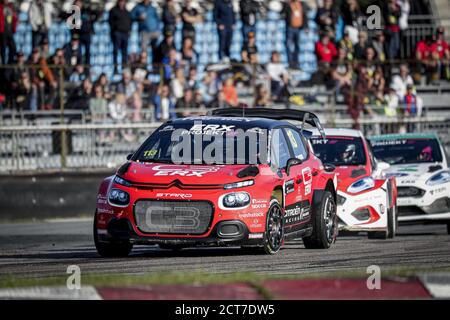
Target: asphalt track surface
(43, 249)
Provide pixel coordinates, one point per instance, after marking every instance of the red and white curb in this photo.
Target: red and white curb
(429, 286)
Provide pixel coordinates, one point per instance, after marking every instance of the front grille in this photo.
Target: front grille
(173, 217)
(413, 192)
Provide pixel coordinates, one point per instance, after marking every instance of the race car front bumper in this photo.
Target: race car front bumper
(439, 209)
(224, 233)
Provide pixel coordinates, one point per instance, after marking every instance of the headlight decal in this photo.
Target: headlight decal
(441, 177)
(361, 185)
(119, 198)
(234, 200)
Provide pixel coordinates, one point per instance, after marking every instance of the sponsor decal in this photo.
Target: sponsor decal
(195, 171)
(210, 129)
(256, 235)
(259, 204)
(307, 180)
(432, 192)
(174, 195)
(296, 213)
(251, 215)
(107, 211)
(388, 142)
(289, 186)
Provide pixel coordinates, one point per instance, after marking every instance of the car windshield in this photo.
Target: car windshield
(200, 143)
(408, 150)
(340, 151)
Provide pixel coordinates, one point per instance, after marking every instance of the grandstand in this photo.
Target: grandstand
(82, 147)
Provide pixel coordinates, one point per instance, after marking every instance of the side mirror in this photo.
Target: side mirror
(328, 167)
(129, 156)
(383, 165)
(292, 162)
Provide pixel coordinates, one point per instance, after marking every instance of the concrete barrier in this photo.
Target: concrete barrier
(49, 195)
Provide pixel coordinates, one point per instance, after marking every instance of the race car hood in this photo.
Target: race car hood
(407, 174)
(346, 175)
(161, 173)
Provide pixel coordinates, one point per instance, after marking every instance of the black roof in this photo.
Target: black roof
(239, 122)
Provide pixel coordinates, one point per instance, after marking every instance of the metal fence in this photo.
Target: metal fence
(77, 147)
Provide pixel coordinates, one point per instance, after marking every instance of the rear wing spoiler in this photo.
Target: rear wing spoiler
(305, 117)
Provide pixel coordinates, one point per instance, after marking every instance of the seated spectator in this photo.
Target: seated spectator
(325, 50)
(72, 51)
(80, 97)
(210, 86)
(341, 74)
(78, 75)
(118, 108)
(164, 105)
(401, 81)
(378, 84)
(361, 46)
(262, 98)
(178, 84)
(426, 63)
(186, 102)
(163, 49)
(188, 55)
(24, 92)
(347, 44)
(249, 48)
(440, 51)
(379, 44)
(104, 83)
(127, 86)
(192, 81)
(370, 61)
(277, 72)
(98, 106)
(230, 92)
(391, 103)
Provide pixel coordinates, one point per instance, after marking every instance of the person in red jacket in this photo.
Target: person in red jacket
(8, 25)
(325, 50)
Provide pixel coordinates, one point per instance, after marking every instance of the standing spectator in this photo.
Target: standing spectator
(392, 14)
(325, 50)
(225, 20)
(440, 51)
(120, 25)
(426, 64)
(296, 19)
(164, 105)
(8, 25)
(190, 17)
(40, 17)
(170, 16)
(230, 93)
(86, 30)
(401, 81)
(327, 16)
(249, 12)
(148, 24)
(352, 17)
(178, 83)
(347, 44)
(379, 44)
(410, 106)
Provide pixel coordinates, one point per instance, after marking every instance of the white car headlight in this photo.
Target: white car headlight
(119, 198)
(239, 184)
(361, 185)
(236, 200)
(441, 177)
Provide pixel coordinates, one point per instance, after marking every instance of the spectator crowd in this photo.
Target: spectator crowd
(358, 66)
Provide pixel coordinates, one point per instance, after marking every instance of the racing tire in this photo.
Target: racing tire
(392, 226)
(111, 248)
(324, 224)
(274, 234)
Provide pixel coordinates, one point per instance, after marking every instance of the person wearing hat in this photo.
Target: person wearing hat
(8, 25)
(120, 25)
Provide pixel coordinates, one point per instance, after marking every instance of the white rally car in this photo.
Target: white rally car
(420, 165)
(366, 198)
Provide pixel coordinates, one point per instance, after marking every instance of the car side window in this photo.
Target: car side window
(279, 151)
(298, 146)
(373, 162)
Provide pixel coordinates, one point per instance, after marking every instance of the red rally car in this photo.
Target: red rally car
(242, 177)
